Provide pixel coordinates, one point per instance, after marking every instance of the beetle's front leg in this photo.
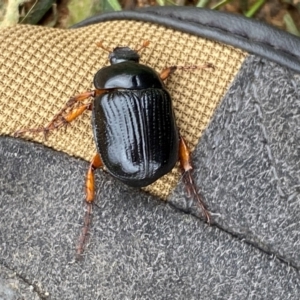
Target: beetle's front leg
(185, 162)
(170, 70)
(61, 118)
(90, 193)
(58, 122)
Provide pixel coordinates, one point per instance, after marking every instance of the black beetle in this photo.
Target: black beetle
(133, 124)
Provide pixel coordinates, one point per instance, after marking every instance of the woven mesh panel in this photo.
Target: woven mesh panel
(41, 68)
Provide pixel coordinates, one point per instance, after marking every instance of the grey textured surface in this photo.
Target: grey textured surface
(13, 286)
(249, 160)
(247, 166)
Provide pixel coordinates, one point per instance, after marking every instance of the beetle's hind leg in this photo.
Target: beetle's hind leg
(90, 194)
(185, 162)
(170, 70)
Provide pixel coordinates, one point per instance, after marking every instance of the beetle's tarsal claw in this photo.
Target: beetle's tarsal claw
(46, 133)
(210, 65)
(17, 133)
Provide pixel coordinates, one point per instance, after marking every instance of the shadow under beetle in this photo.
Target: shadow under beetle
(133, 124)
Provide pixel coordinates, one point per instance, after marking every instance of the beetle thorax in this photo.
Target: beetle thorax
(121, 54)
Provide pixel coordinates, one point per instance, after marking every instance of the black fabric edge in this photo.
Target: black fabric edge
(252, 36)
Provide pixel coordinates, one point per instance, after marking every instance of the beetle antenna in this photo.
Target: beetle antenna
(100, 45)
(144, 45)
(195, 67)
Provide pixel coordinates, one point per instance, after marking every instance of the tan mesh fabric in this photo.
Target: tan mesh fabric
(41, 68)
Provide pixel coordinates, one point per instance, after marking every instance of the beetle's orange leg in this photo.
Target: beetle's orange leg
(59, 122)
(59, 119)
(78, 98)
(185, 162)
(170, 70)
(90, 193)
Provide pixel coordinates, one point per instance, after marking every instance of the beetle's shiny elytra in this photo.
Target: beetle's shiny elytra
(133, 124)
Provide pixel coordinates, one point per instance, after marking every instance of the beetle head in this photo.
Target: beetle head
(120, 54)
